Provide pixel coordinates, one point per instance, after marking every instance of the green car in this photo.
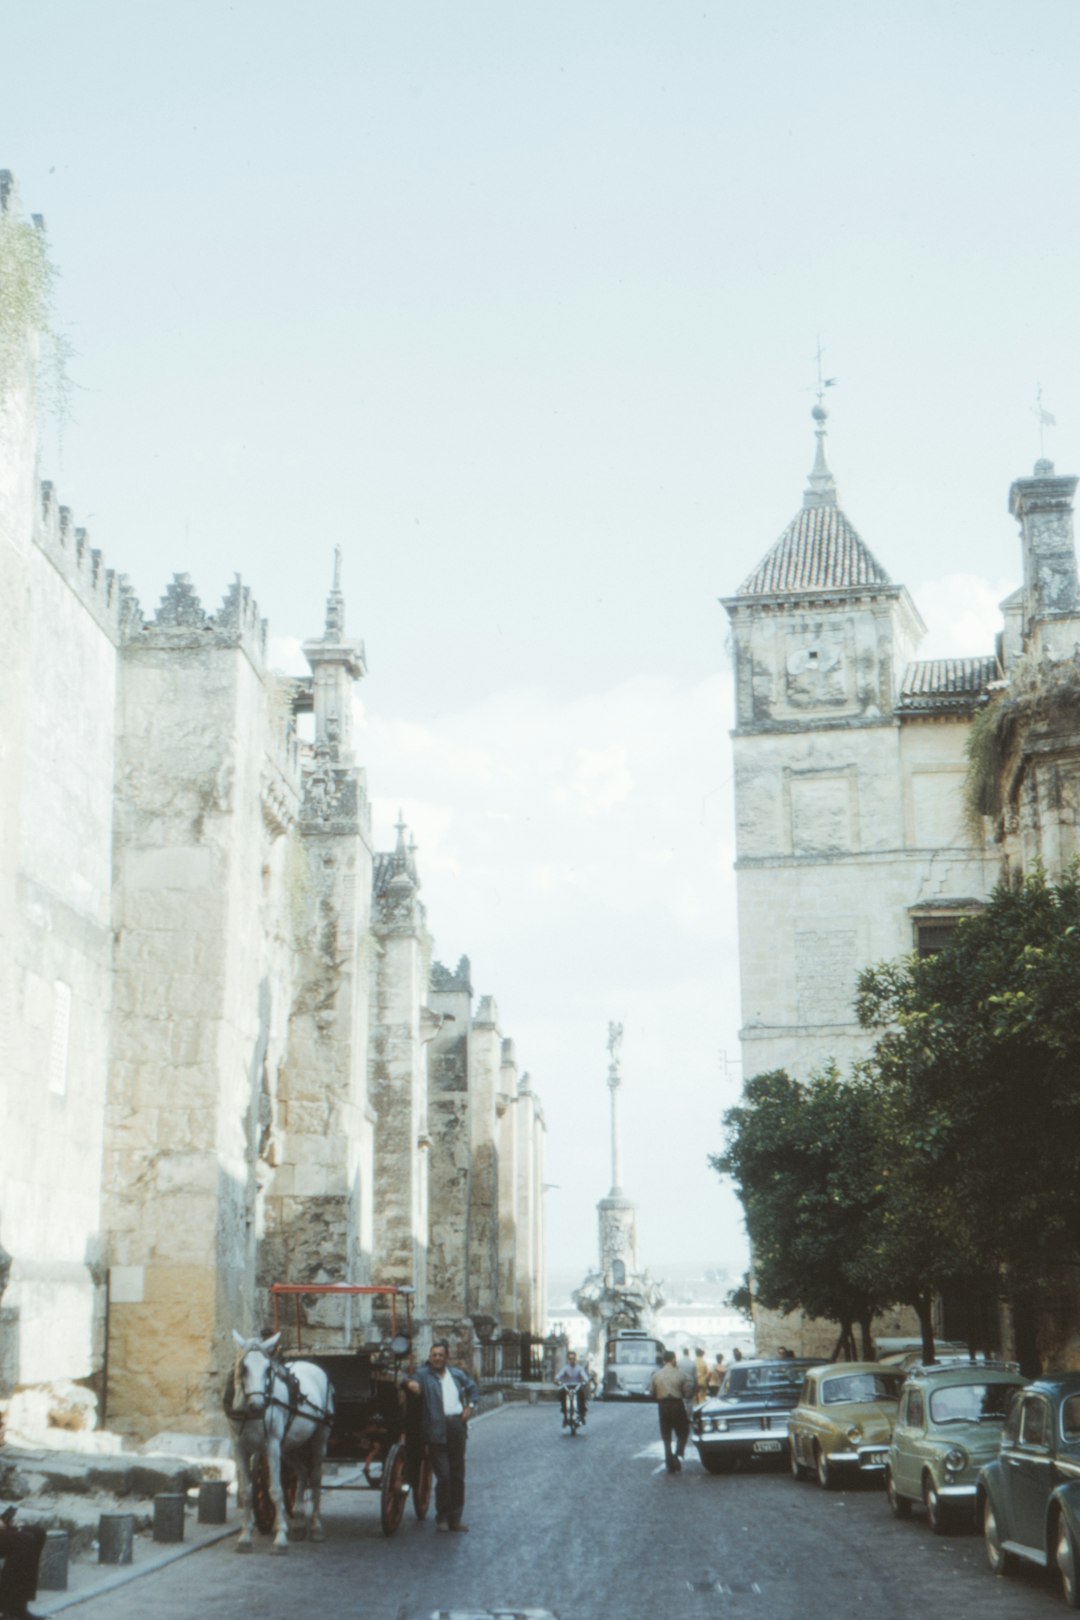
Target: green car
(843, 1420)
(948, 1426)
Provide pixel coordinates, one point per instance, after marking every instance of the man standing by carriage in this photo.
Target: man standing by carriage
(448, 1400)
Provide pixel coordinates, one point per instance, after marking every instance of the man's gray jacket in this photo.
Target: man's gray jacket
(433, 1418)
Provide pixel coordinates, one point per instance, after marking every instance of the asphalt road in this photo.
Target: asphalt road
(592, 1528)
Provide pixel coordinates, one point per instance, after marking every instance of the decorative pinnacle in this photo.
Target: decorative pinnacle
(335, 604)
(400, 824)
(822, 490)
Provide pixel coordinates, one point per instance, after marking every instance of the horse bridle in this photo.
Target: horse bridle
(245, 1412)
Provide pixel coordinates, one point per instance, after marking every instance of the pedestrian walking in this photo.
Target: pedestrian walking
(671, 1386)
(716, 1374)
(448, 1401)
(20, 1548)
(701, 1375)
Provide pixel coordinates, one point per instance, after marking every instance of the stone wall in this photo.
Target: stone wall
(224, 1064)
(60, 622)
(450, 997)
(401, 1026)
(201, 994)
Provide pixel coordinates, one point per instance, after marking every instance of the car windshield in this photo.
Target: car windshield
(761, 1379)
(867, 1386)
(635, 1351)
(970, 1403)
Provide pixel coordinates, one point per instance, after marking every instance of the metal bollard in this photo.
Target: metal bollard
(53, 1569)
(116, 1534)
(169, 1517)
(213, 1501)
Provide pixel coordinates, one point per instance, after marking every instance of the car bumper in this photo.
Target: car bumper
(957, 1493)
(868, 1459)
(743, 1443)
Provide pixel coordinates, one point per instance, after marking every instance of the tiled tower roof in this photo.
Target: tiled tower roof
(943, 685)
(818, 551)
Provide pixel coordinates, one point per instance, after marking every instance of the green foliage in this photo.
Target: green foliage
(950, 1159)
(805, 1160)
(27, 278)
(1038, 692)
(741, 1299)
(978, 1054)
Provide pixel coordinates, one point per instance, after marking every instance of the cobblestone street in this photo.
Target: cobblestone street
(594, 1529)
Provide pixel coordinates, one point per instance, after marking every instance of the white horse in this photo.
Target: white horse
(283, 1411)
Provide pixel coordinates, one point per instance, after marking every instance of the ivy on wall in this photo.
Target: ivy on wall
(27, 279)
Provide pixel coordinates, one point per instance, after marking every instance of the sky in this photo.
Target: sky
(519, 304)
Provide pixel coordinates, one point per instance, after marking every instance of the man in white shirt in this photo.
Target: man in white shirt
(448, 1400)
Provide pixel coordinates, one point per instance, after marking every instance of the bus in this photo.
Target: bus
(633, 1355)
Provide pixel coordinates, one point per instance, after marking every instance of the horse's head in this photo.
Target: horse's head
(251, 1375)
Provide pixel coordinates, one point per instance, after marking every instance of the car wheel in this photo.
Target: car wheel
(1000, 1561)
(797, 1469)
(900, 1505)
(937, 1514)
(826, 1473)
(716, 1465)
(1065, 1556)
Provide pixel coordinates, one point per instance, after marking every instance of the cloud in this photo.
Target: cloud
(579, 852)
(962, 614)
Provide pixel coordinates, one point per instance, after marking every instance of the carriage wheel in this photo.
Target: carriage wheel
(422, 1487)
(263, 1502)
(395, 1488)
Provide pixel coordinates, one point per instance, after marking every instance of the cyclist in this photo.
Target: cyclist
(574, 1376)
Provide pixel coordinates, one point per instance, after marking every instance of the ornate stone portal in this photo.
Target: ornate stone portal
(618, 1295)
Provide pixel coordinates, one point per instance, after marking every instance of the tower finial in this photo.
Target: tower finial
(1045, 420)
(822, 489)
(400, 825)
(335, 604)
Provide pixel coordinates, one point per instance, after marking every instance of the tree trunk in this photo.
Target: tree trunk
(924, 1307)
(867, 1337)
(1026, 1335)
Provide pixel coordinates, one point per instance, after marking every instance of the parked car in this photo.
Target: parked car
(747, 1420)
(908, 1352)
(1029, 1496)
(948, 1426)
(843, 1420)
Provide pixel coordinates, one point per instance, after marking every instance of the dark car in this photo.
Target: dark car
(747, 1419)
(1029, 1497)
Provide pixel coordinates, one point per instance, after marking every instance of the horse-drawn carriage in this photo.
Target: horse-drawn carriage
(375, 1423)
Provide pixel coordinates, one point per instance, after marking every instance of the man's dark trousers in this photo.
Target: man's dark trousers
(448, 1466)
(673, 1418)
(21, 1551)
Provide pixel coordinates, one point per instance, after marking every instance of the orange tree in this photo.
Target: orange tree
(977, 1061)
(804, 1159)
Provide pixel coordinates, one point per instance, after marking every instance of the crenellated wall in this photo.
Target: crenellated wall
(224, 1064)
(62, 617)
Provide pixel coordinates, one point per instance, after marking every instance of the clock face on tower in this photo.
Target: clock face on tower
(816, 673)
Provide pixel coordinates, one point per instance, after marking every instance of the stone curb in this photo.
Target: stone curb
(102, 1578)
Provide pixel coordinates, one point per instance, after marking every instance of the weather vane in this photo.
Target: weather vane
(823, 382)
(1044, 419)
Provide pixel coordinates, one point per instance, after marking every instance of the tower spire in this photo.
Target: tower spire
(822, 489)
(335, 604)
(336, 665)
